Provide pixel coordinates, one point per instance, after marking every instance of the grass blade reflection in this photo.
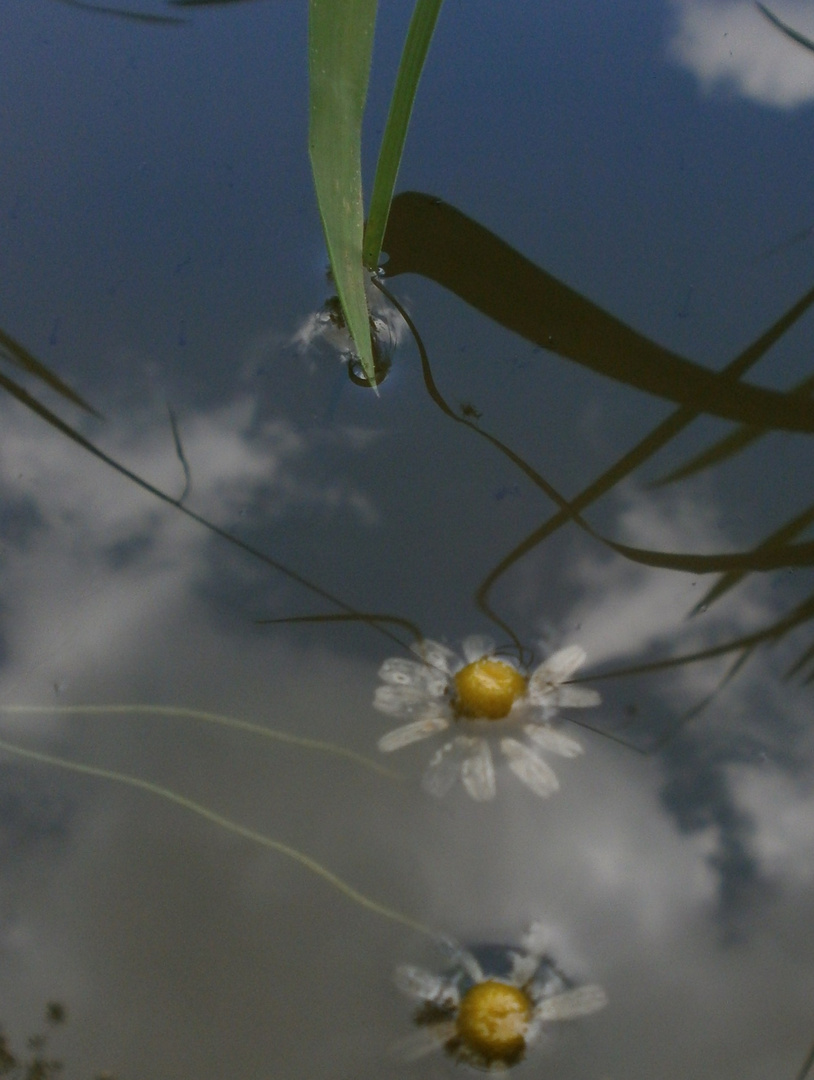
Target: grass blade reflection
(800, 663)
(645, 449)
(20, 356)
(182, 713)
(429, 237)
(776, 540)
(726, 447)
(766, 557)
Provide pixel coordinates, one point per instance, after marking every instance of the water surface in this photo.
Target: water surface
(163, 254)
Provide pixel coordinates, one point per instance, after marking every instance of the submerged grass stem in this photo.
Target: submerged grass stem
(181, 712)
(243, 831)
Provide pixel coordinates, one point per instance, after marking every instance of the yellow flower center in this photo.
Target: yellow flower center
(492, 1020)
(487, 689)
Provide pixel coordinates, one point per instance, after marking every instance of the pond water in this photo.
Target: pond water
(610, 205)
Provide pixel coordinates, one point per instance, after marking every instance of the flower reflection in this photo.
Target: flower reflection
(492, 1003)
(486, 696)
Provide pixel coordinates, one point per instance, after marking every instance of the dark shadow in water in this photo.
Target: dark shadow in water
(429, 237)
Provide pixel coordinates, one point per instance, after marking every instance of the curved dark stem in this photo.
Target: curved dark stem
(179, 452)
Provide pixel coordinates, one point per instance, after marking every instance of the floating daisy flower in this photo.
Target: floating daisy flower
(484, 696)
(493, 1003)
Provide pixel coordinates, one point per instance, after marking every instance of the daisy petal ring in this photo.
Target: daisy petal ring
(492, 1003)
(487, 698)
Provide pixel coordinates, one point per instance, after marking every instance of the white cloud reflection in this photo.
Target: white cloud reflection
(731, 46)
(630, 612)
(181, 950)
(111, 556)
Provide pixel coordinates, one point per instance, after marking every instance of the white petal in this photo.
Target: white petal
(408, 673)
(478, 772)
(537, 707)
(443, 769)
(556, 742)
(537, 940)
(531, 769)
(477, 646)
(557, 668)
(533, 1028)
(423, 985)
(424, 1041)
(464, 959)
(572, 1003)
(524, 967)
(577, 697)
(400, 700)
(410, 733)
(397, 670)
(436, 655)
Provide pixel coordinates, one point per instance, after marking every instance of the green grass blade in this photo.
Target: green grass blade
(340, 42)
(419, 35)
